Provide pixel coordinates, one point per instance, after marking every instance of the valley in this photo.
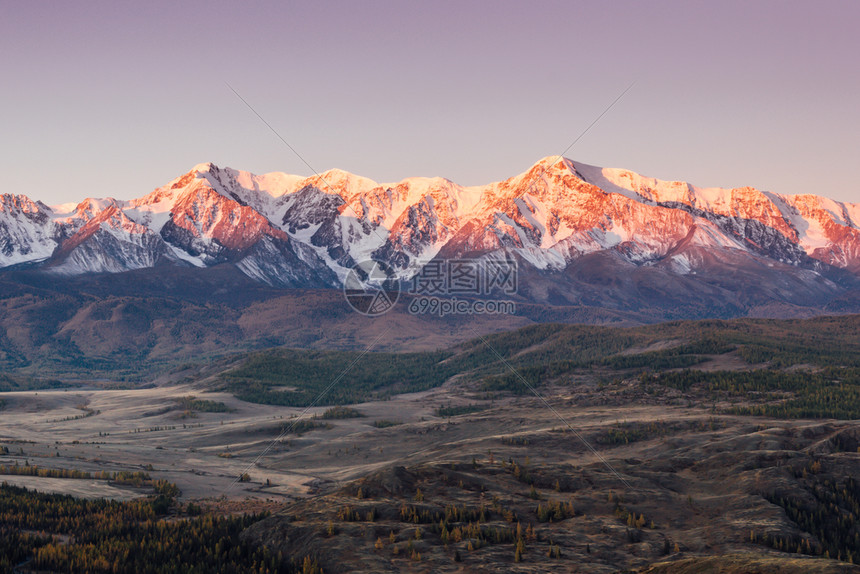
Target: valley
(661, 448)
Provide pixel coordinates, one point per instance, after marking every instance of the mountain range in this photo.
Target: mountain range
(582, 236)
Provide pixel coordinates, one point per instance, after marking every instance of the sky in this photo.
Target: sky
(113, 99)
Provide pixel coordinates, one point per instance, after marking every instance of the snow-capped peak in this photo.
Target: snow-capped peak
(204, 167)
(550, 215)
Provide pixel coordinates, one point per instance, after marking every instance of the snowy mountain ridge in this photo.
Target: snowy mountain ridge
(294, 231)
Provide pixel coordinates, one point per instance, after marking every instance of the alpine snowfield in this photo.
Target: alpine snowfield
(292, 231)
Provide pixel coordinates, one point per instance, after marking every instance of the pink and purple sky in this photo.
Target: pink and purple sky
(116, 98)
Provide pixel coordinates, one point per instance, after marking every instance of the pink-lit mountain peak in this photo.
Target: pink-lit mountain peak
(549, 216)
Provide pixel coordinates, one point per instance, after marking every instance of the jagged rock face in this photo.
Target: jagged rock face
(292, 231)
(25, 230)
(205, 223)
(310, 206)
(109, 242)
(830, 229)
